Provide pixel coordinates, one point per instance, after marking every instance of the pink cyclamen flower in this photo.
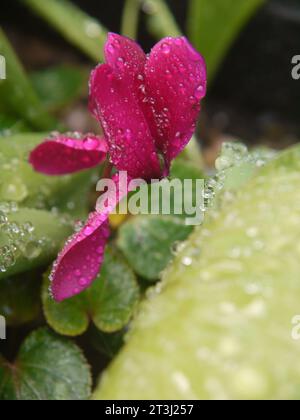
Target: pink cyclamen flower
(148, 106)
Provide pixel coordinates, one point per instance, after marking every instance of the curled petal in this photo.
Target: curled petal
(116, 105)
(176, 82)
(65, 155)
(79, 262)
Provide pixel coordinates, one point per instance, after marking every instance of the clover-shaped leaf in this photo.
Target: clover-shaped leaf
(148, 241)
(48, 367)
(109, 302)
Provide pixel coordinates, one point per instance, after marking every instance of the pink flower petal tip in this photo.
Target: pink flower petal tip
(148, 105)
(65, 154)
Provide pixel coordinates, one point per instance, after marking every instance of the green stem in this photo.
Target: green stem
(80, 29)
(130, 18)
(17, 94)
(161, 20)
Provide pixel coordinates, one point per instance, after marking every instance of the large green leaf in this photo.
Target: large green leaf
(148, 241)
(17, 93)
(29, 238)
(76, 26)
(48, 367)
(21, 184)
(221, 326)
(109, 302)
(213, 25)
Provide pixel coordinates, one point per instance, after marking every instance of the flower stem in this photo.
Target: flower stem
(130, 18)
(161, 20)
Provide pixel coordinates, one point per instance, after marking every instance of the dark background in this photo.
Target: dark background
(253, 96)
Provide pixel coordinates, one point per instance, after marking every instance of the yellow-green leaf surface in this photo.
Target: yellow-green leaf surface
(109, 302)
(220, 325)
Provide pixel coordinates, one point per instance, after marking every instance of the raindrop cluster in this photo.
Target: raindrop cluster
(16, 239)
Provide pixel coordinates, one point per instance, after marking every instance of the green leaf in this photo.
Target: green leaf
(130, 18)
(59, 86)
(214, 25)
(11, 125)
(30, 238)
(31, 189)
(221, 326)
(108, 344)
(185, 169)
(76, 26)
(19, 298)
(17, 93)
(148, 241)
(109, 302)
(48, 367)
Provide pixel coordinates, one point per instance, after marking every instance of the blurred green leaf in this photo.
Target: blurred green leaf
(59, 86)
(48, 367)
(221, 326)
(147, 242)
(21, 184)
(19, 298)
(10, 125)
(17, 94)
(185, 169)
(29, 238)
(76, 26)
(109, 302)
(214, 25)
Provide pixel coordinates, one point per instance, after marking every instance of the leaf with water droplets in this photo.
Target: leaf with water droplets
(148, 241)
(221, 327)
(29, 238)
(48, 367)
(109, 302)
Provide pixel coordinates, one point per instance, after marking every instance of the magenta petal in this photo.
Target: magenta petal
(125, 57)
(116, 105)
(64, 155)
(79, 262)
(176, 81)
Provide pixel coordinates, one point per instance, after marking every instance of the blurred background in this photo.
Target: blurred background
(252, 94)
